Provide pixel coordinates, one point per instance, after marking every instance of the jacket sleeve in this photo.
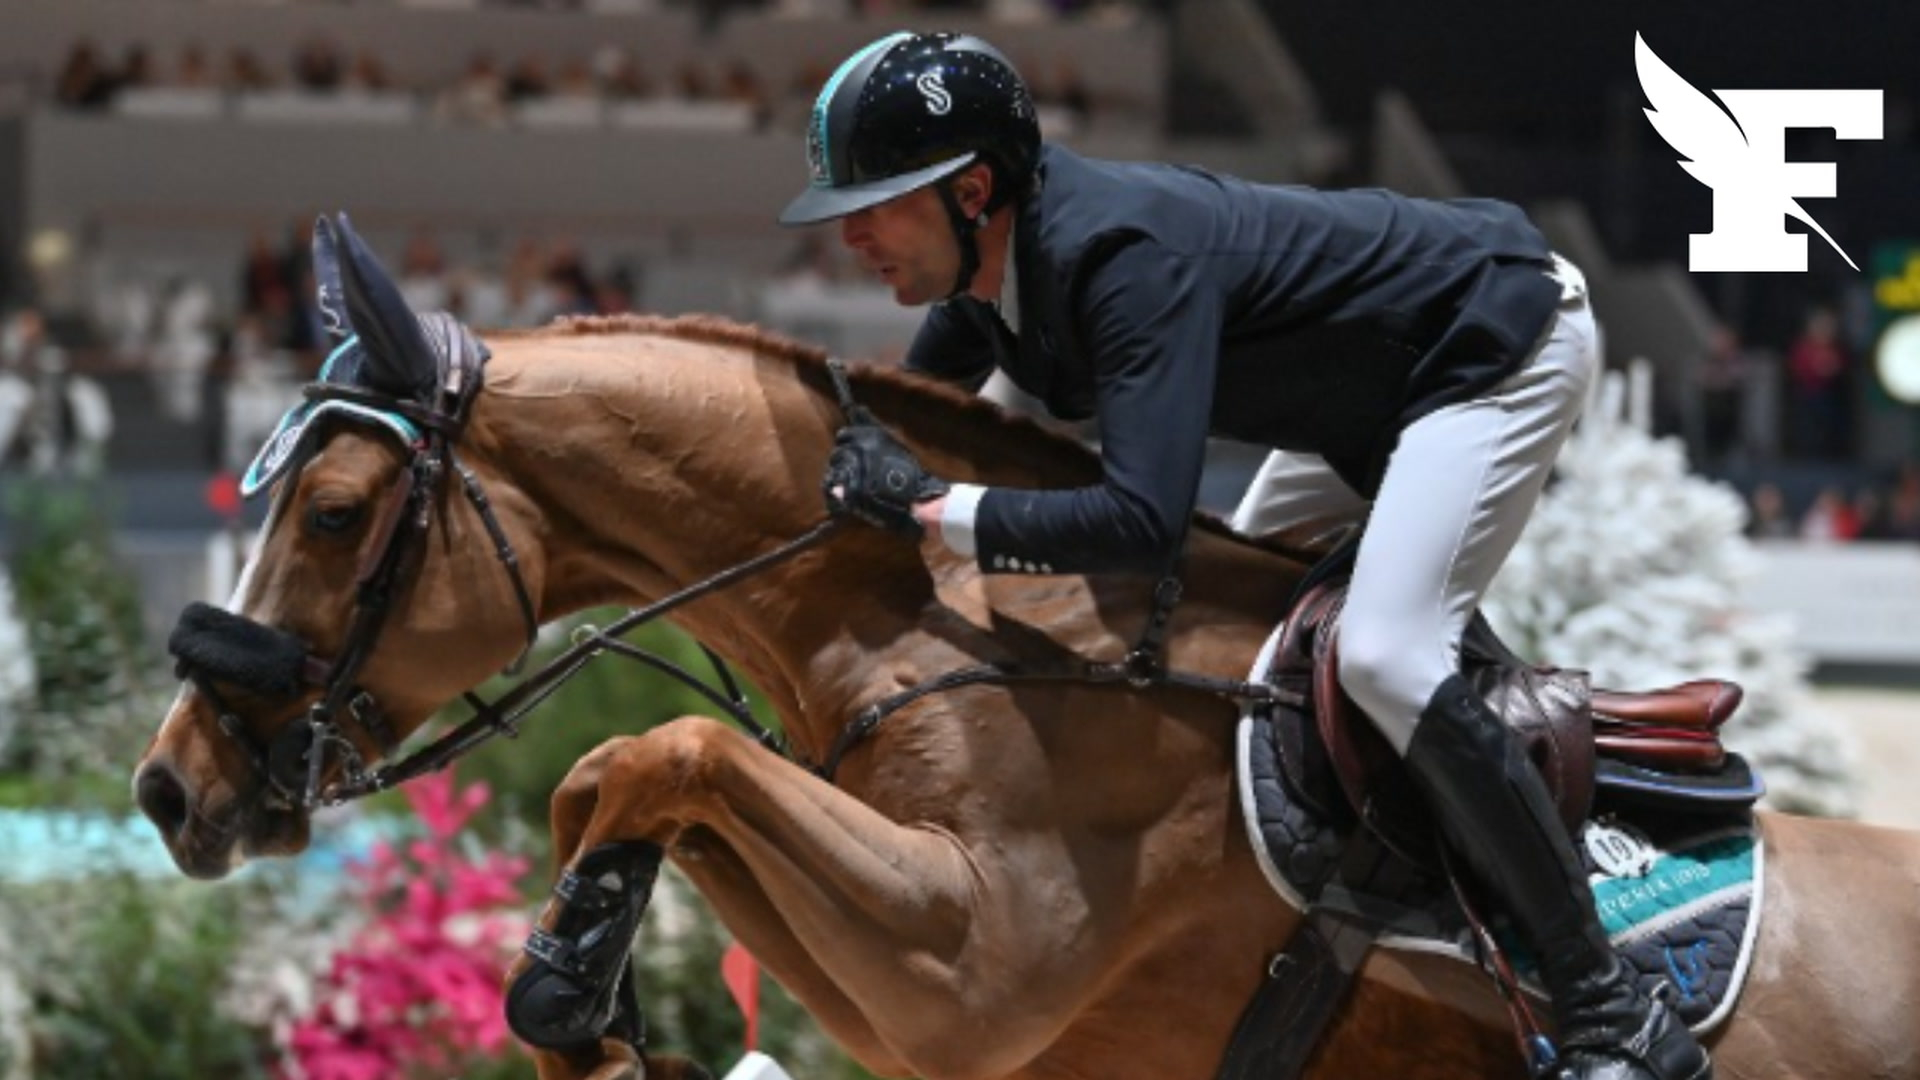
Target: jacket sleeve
(951, 346)
(1152, 327)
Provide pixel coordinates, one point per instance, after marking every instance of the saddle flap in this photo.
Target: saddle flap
(1547, 707)
(1369, 770)
(1304, 765)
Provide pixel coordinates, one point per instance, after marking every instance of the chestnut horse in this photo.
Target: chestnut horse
(1047, 881)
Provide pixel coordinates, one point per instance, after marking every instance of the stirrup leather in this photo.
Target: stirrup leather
(580, 983)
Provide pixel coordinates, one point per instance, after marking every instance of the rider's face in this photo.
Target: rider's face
(908, 243)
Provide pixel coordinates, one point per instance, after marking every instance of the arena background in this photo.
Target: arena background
(161, 161)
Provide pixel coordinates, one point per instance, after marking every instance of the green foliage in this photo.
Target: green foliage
(92, 695)
(609, 697)
(126, 982)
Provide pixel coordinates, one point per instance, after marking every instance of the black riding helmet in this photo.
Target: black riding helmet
(907, 111)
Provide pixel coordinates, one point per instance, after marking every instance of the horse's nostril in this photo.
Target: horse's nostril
(162, 798)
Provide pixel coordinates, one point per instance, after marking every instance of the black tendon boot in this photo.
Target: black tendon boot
(1496, 813)
(580, 984)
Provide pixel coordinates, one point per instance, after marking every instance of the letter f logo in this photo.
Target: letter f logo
(1743, 158)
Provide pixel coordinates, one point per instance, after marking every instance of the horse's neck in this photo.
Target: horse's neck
(653, 464)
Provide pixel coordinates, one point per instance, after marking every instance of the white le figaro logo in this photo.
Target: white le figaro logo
(1740, 152)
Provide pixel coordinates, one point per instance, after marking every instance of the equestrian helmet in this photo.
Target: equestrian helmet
(911, 109)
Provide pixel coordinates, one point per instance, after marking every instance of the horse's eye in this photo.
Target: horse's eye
(334, 519)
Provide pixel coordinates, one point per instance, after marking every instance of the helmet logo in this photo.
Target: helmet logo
(939, 102)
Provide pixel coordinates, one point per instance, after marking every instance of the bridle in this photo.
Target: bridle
(294, 764)
(214, 645)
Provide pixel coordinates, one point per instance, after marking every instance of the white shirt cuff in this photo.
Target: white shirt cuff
(956, 518)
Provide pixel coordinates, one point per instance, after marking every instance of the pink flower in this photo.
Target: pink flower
(417, 992)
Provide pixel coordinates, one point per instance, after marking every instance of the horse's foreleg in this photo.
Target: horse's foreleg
(729, 887)
(741, 904)
(887, 911)
(607, 1058)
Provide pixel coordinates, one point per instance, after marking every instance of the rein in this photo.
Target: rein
(294, 764)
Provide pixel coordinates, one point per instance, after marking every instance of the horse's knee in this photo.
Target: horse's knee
(679, 756)
(668, 767)
(580, 788)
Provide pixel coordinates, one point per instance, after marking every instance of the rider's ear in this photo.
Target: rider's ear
(973, 188)
(326, 281)
(398, 359)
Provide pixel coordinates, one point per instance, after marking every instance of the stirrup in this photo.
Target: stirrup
(580, 983)
(1662, 1048)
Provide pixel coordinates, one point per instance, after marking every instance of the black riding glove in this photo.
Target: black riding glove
(879, 480)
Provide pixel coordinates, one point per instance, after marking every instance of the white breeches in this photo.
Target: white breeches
(1458, 490)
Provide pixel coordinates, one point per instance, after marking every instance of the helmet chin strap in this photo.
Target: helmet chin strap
(964, 230)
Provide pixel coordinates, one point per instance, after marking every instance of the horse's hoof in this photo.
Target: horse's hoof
(609, 1059)
(553, 1012)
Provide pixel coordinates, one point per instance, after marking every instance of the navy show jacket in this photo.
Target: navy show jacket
(1174, 304)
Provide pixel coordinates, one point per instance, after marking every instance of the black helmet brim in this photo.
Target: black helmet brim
(817, 204)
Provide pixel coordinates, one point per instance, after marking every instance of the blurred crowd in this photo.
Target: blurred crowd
(230, 374)
(1800, 400)
(483, 94)
(1787, 421)
(1835, 513)
(489, 89)
(535, 282)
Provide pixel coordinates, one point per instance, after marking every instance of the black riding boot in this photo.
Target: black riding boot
(1496, 814)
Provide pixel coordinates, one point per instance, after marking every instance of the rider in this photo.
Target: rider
(1418, 363)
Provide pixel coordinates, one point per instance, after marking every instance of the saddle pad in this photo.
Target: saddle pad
(1679, 895)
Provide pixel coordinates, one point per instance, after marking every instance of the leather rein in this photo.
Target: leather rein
(294, 764)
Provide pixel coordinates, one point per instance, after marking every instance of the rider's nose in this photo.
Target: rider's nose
(161, 797)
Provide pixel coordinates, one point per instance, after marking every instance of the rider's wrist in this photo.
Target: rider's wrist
(957, 511)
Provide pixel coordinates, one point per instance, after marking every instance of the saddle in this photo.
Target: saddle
(1599, 751)
(1595, 747)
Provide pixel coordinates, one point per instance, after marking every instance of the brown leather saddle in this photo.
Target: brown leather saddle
(1592, 745)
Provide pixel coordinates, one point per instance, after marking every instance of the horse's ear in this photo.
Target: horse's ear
(399, 362)
(331, 299)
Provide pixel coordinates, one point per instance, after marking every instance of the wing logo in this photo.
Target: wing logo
(1737, 147)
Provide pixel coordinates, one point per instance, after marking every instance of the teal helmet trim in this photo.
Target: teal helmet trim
(821, 158)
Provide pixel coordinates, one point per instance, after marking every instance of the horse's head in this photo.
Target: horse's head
(365, 566)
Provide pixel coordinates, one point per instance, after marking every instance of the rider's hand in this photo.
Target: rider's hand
(876, 479)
